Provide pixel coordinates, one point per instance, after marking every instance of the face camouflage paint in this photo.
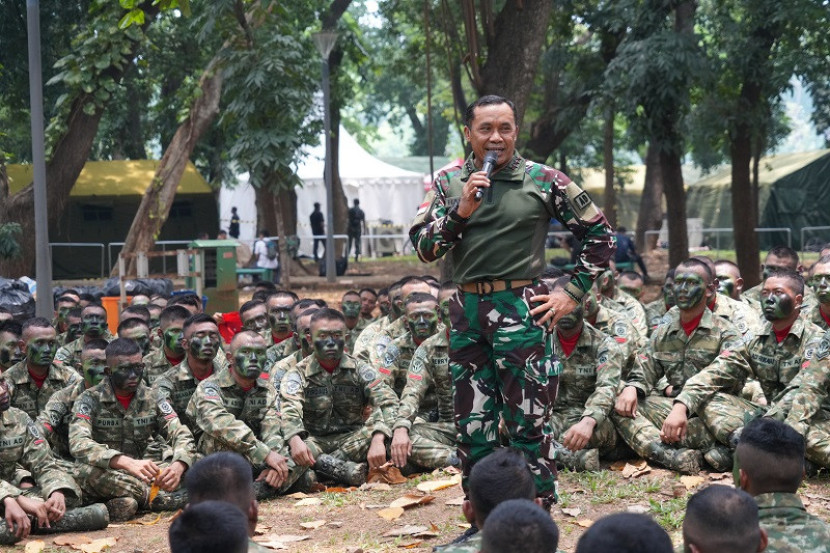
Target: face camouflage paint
(820, 283)
(126, 376)
(571, 320)
(422, 322)
(93, 369)
(279, 319)
(41, 351)
(93, 324)
(689, 290)
(204, 345)
(10, 351)
(444, 312)
(141, 337)
(259, 324)
(777, 306)
(726, 285)
(74, 331)
(249, 361)
(329, 342)
(351, 309)
(385, 305)
(591, 304)
(173, 340)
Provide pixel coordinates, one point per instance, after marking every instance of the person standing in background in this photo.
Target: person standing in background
(357, 225)
(318, 228)
(233, 229)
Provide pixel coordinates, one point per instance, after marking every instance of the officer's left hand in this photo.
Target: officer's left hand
(170, 478)
(56, 506)
(578, 435)
(377, 451)
(676, 424)
(554, 306)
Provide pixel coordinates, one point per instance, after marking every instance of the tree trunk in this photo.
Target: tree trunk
(610, 200)
(158, 198)
(282, 243)
(743, 213)
(670, 169)
(650, 216)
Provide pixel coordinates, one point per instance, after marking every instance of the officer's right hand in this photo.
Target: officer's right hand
(16, 519)
(300, 452)
(626, 405)
(468, 203)
(401, 446)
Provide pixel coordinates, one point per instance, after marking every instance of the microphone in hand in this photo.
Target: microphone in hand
(487, 165)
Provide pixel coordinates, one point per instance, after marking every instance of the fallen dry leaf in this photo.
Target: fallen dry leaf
(636, 470)
(411, 500)
(97, 545)
(720, 475)
(313, 525)
(146, 522)
(174, 516)
(455, 501)
(297, 495)
(391, 513)
(276, 545)
(336, 524)
(283, 538)
(638, 509)
(617, 466)
(464, 525)
(71, 540)
(309, 502)
(408, 530)
(386, 473)
(575, 512)
(435, 485)
(34, 546)
(341, 490)
(412, 544)
(261, 529)
(376, 486)
(585, 522)
(691, 481)
(426, 535)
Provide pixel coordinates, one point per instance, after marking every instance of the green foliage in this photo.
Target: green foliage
(9, 245)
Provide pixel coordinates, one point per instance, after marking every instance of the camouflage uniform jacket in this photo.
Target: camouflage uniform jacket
(772, 364)
(177, 386)
(26, 396)
(671, 357)
(379, 352)
(101, 428)
(654, 314)
(278, 352)
(630, 307)
(22, 444)
(789, 526)
(395, 363)
(70, 354)
(318, 403)
(470, 545)
(281, 367)
(505, 237)
(814, 316)
(54, 420)
(367, 337)
(807, 398)
(745, 319)
(590, 374)
(156, 364)
(354, 334)
(429, 370)
(616, 325)
(229, 418)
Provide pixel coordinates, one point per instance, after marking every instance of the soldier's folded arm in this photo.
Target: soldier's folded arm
(726, 373)
(7, 490)
(177, 433)
(37, 455)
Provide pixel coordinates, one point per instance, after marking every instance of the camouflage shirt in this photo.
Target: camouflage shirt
(318, 403)
(771, 363)
(654, 314)
(22, 444)
(671, 357)
(505, 237)
(590, 374)
(283, 366)
(470, 545)
(616, 325)
(101, 428)
(814, 316)
(789, 526)
(26, 396)
(232, 419)
(54, 420)
(177, 386)
(745, 319)
(70, 354)
(156, 364)
(630, 307)
(428, 370)
(278, 352)
(807, 398)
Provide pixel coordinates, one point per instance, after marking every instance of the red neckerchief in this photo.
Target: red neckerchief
(779, 336)
(125, 400)
(327, 369)
(690, 327)
(173, 361)
(38, 380)
(825, 317)
(278, 340)
(568, 344)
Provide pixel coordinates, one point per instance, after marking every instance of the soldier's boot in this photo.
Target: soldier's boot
(307, 483)
(719, 458)
(684, 461)
(584, 460)
(122, 509)
(7, 536)
(81, 519)
(353, 474)
(263, 490)
(170, 501)
(810, 468)
(620, 451)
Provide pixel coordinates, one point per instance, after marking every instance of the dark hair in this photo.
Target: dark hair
(632, 274)
(75, 312)
(420, 297)
(489, 100)
(795, 278)
(625, 533)
(261, 295)
(249, 305)
(173, 313)
(771, 453)
(500, 476)
(209, 527)
(122, 347)
(128, 324)
(722, 518)
(328, 314)
(383, 291)
(6, 310)
(692, 262)
(784, 252)
(12, 327)
(198, 318)
(283, 293)
(306, 303)
(186, 299)
(66, 299)
(90, 298)
(224, 476)
(350, 293)
(669, 274)
(35, 322)
(136, 311)
(95, 344)
(370, 290)
(153, 307)
(93, 306)
(519, 525)
(448, 286)
(266, 285)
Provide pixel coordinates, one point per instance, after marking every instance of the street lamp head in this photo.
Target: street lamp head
(324, 41)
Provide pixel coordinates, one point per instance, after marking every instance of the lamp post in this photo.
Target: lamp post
(324, 41)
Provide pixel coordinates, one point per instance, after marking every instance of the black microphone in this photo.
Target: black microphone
(487, 165)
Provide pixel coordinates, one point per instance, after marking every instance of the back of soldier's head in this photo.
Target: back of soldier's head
(209, 527)
(221, 476)
(771, 454)
(624, 533)
(519, 525)
(719, 519)
(500, 476)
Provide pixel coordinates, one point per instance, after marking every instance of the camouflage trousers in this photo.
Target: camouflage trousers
(208, 445)
(348, 446)
(604, 438)
(818, 443)
(99, 484)
(724, 413)
(643, 430)
(433, 443)
(503, 367)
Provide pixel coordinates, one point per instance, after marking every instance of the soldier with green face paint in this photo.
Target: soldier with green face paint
(819, 282)
(730, 282)
(54, 420)
(73, 327)
(33, 380)
(779, 257)
(63, 306)
(238, 410)
(616, 325)
(172, 352)
(155, 322)
(137, 330)
(11, 352)
(302, 343)
(631, 283)
(93, 325)
(282, 308)
(656, 310)
(368, 302)
(613, 298)
(350, 306)
(254, 316)
(367, 336)
(200, 338)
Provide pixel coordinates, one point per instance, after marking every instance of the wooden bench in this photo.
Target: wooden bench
(264, 274)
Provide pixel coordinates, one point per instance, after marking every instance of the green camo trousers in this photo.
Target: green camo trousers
(348, 446)
(433, 443)
(724, 413)
(604, 437)
(503, 367)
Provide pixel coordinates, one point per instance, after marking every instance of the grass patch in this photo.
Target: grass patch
(669, 513)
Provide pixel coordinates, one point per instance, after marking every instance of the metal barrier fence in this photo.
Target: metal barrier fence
(811, 245)
(717, 232)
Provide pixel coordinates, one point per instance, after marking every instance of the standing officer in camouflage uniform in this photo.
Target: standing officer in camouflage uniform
(33, 381)
(93, 325)
(11, 353)
(690, 341)
(323, 399)
(280, 308)
(769, 466)
(112, 425)
(501, 364)
(237, 410)
(171, 352)
(820, 283)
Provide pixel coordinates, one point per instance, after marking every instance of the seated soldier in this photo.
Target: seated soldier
(33, 380)
(368, 302)
(73, 326)
(776, 354)
(189, 301)
(656, 310)
(209, 527)
(93, 325)
(54, 420)
(720, 518)
(63, 305)
(616, 325)
(743, 317)
(281, 311)
(237, 410)
(302, 338)
(624, 533)
(367, 337)
(254, 317)
(632, 284)
(112, 426)
(729, 278)
(678, 349)
(200, 338)
(323, 399)
(137, 330)
(135, 312)
(613, 298)
(11, 352)
(427, 443)
(501, 476)
(769, 465)
(820, 283)
(350, 307)
(778, 257)
(384, 305)
(591, 366)
(519, 525)
(171, 352)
